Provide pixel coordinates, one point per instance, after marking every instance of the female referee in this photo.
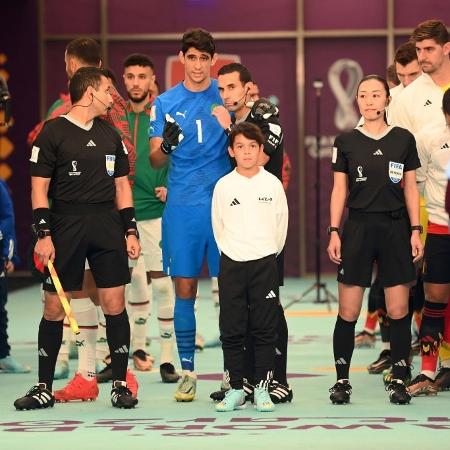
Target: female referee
(376, 164)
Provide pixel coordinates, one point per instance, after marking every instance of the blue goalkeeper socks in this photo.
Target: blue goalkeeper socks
(184, 323)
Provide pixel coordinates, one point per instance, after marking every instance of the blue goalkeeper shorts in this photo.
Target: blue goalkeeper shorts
(187, 237)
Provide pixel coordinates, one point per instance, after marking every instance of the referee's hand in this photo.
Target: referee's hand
(133, 247)
(334, 248)
(45, 250)
(416, 246)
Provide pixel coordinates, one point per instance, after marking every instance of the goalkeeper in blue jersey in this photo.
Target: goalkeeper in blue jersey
(183, 130)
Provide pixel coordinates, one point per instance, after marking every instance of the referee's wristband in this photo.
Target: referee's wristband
(41, 219)
(128, 218)
(418, 228)
(229, 129)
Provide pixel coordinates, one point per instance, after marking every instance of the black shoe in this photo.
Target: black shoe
(218, 396)
(121, 396)
(442, 380)
(279, 393)
(168, 373)
(383, 362)
(398, 393)
(249, 391)
(105, 374)
(37, 397)
(340, 393)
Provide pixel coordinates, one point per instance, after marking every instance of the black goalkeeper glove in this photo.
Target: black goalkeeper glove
(263, 109)
(172, 135)
(273, 134)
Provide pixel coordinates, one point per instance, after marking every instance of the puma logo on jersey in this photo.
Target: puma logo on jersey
(427, 103)
(91, 143)
(445, 146)
(235, 202)
(378, 153)
(182, 114)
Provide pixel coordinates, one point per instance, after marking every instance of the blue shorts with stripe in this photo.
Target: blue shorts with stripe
(187, 238)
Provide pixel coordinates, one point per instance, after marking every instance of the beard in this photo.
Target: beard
(138, 99)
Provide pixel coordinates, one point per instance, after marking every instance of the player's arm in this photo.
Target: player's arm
(223, 117)
(337, 204)
(171, 137)
(424, 156)
(41, 218)
(124, 202)
(412, 205)
(282, 218)
(216, 216)
(158, 159)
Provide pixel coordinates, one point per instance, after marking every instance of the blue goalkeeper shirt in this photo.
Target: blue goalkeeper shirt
(201, 158)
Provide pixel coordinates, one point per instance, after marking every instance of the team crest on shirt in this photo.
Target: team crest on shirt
(110, 162)
(395, 171)
(153, 113)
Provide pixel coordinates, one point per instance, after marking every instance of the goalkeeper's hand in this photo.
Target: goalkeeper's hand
(172, 135)
(263, 109)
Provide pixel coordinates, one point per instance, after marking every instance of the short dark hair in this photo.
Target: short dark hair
(244, 73)
(87, 50)
(431, 29)
(406, 53)
(249, 130)
(82, 79)
(109, 73)
(198, 38)
(391, 75)
(138, 59)
(446, 102)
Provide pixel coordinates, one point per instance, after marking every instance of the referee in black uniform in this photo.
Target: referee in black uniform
(376, 163)
(80, 163)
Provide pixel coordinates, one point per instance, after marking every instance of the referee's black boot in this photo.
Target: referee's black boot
(36, 398)
(121, 396)
(398, 393)
(340, 392)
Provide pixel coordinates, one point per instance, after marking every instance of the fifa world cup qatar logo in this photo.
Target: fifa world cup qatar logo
(74, 172)
(359, 169)
(345, 116)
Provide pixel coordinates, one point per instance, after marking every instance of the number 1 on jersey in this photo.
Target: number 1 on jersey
(199, 131)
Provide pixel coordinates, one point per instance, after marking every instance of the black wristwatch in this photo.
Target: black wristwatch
(41, 234)
(132, 233)
(331, 229)
(418, 228)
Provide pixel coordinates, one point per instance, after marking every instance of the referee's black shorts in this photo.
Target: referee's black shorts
(92, 232)
(381, 237)
(436, 266)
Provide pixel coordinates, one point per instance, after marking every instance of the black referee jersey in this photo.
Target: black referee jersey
(82, 162)
(375, 167)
